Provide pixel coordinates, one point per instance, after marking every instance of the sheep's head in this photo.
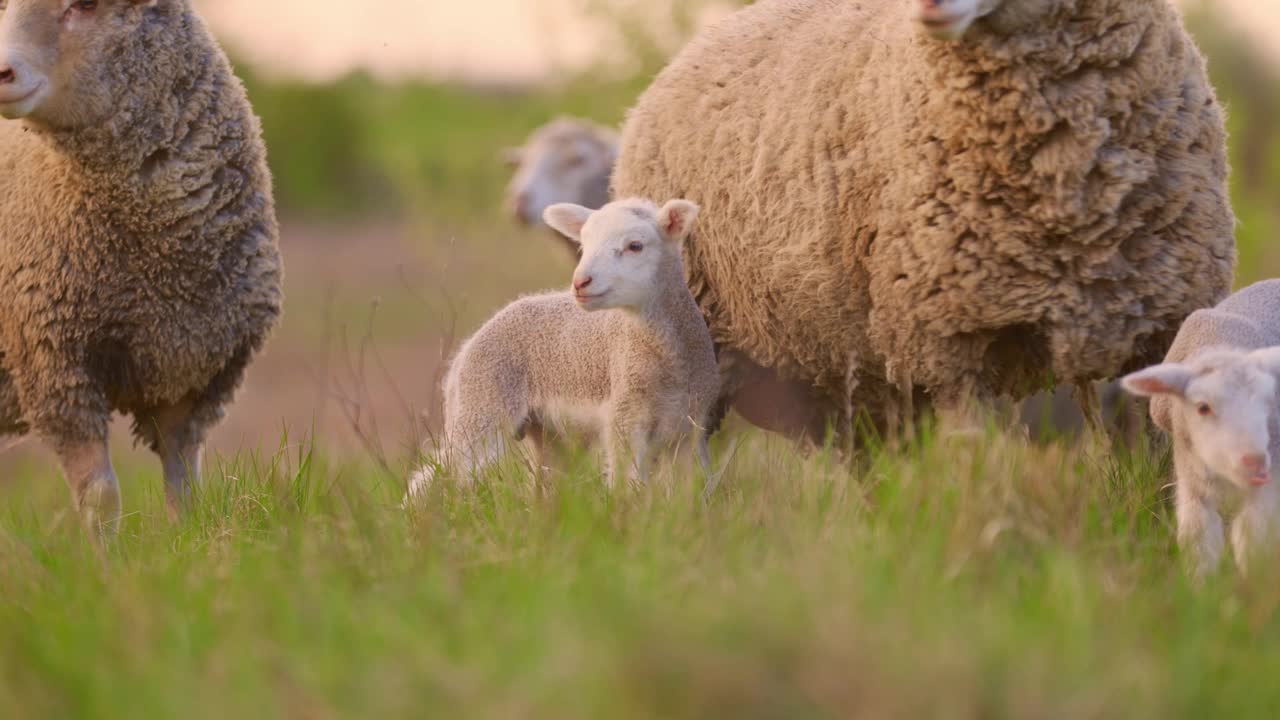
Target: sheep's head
(627, 246)
(1227, 401)
(565, 161)
(58, 58)
(951, 19)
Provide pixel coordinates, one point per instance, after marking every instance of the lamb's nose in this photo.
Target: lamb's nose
(1256, 464)
(7, 76)
(582, 284)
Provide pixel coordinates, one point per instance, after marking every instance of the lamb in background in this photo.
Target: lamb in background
(138, 237)
(1215, 394)
(626, 353)
(896, 221)
(568, 160)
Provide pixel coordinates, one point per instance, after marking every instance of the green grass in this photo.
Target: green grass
(930, 581)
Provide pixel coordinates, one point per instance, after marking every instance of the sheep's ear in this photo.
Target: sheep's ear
(1267, 358)
(1166, 379)
(512, 156)
(567, 219)
(675, 219)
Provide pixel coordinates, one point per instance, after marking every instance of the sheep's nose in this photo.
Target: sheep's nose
(520, 206)
(7, 76)
(580, 285)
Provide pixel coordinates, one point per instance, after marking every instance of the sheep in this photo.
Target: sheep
(897, 221)
(1215, 395)
(138, 237)
(625, 353)
(565, 161)
(1049, 415)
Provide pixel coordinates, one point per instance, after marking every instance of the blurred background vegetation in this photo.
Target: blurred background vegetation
(358, 147)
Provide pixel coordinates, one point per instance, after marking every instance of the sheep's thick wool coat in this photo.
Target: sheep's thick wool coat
(139, 266)
(980, 217)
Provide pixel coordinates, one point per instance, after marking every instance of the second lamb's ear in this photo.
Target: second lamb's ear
(567, 219)
(675, 219)
(1166, 379)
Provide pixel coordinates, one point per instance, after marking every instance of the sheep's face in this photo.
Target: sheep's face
(1227, 403)
(58, 57)
(566, 161)
(951, 19)
(626, 248)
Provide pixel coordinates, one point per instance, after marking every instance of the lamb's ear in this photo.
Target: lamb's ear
(512, 156)
(567, 219)
(1166, 379)
(1267, 358)
(675, 219)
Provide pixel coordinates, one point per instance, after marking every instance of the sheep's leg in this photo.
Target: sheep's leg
(614, 452)
(1253, 533)
(178, 438)
(627, 453)
(711, 481)
(640, 443)
(535, 439)
(1087, 400)
(87, 465)
(959, 412)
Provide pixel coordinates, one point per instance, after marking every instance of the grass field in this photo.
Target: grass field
(984, 581)
(995, 580)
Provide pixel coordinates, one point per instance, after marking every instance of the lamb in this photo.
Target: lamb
(565, 161)
(896, 221)
(625, 353)
(1215, 394)
(138, 237)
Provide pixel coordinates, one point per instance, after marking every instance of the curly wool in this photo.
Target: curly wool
(139, 256)
(975, 218)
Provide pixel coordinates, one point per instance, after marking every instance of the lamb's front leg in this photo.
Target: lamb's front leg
(628, 453)
(1254, 531)
(1200, 534)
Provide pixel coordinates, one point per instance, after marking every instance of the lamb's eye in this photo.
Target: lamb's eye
(85, 5)
(1204, 410)
(635, 247)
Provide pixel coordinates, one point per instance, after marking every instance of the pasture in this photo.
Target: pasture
(914, 579)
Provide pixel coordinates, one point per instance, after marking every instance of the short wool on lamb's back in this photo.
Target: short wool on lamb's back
(1043, 200)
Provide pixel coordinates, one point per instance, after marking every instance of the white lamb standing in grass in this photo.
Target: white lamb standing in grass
(1215, 394)
(625, 353)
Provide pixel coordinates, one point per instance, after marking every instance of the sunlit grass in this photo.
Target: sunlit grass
(998, 580)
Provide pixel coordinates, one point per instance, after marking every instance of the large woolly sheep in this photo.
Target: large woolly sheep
(1215, 394)
(568, 160)
(625, 353)
(137, 235)
(895, 220)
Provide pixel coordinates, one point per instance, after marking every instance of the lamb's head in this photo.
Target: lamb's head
(951, 19)
(59, 59)
(1227, 401)
(630, 249)
(565, 161)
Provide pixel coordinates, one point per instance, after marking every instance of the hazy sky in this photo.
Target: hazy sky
(474, 39)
